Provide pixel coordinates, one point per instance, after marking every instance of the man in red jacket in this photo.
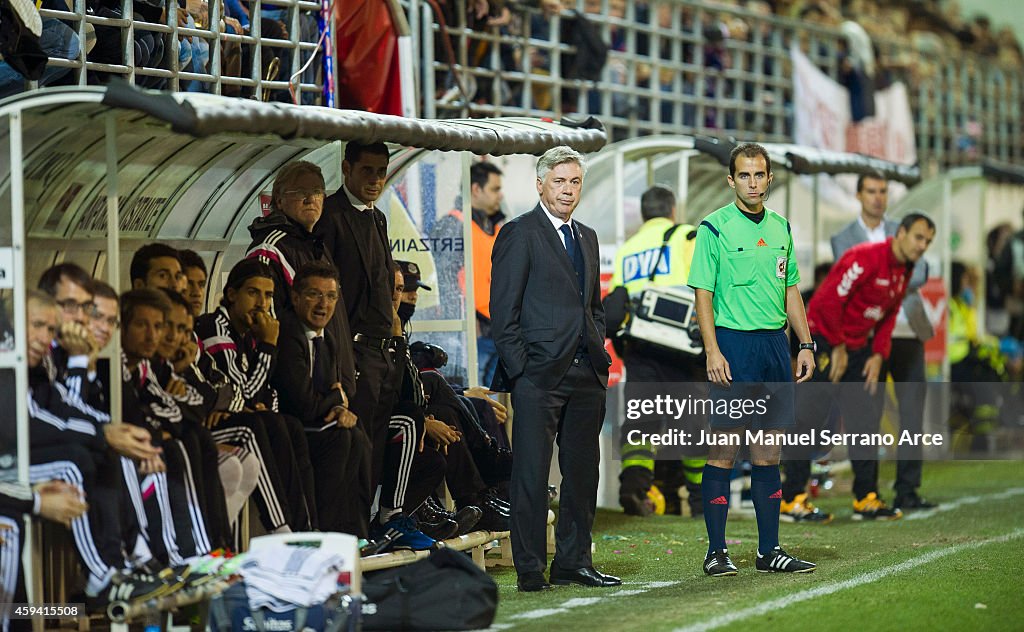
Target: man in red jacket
(851, 318)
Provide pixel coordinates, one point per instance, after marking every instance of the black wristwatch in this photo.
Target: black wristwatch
(812, 346)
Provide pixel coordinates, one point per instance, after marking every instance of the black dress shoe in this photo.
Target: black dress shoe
(532, 581)
(912, 501)
(585, 576)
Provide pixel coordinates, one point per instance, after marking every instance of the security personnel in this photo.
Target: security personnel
(634, 262)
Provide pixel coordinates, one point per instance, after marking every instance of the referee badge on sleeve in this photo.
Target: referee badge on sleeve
(780, 267)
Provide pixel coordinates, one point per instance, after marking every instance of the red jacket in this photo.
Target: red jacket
(861, 295)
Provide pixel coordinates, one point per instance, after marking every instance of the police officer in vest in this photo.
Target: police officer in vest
(634, 263)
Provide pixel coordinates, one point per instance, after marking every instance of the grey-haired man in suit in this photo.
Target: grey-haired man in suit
(906, 362)
(548, 326)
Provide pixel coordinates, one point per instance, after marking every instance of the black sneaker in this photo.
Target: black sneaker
(718, 564)
(441, 529)
(778, 561)
(125, 591)
(912, 501)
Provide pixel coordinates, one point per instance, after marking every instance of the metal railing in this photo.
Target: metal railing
(194, 52)
(667, 73)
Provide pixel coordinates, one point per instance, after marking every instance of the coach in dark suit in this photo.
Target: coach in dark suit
(548, 325)
(355, 233)
(311, 378)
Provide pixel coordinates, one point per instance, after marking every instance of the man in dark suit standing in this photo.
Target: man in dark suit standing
(356, 235)
(551, 345)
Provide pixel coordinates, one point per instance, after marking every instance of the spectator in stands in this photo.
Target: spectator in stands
(355, 233)
(308, 378)
(57, 40)
(587, 63)
(196, 277)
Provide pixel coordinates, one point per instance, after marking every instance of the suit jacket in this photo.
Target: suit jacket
(297, 395)
(913, 305)
(536, 311)
(352, 258)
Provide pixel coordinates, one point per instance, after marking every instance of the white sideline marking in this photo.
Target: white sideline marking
(853, 582)
(577, 602)
(960, 502)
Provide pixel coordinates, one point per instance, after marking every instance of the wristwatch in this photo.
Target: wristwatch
(812, 346)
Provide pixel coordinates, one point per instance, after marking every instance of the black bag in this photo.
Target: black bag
(446, 591)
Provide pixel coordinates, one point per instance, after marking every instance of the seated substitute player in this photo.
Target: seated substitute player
(745, 277)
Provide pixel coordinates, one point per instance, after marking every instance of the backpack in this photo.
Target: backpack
(446, 591)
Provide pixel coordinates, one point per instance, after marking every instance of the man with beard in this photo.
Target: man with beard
(241, 337)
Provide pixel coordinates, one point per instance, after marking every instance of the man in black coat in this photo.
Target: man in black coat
(551, 345)
(355, 234)
(308, 379)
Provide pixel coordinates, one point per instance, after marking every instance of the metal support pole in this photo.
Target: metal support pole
(20, 318)
(113, 261)
(467, 265)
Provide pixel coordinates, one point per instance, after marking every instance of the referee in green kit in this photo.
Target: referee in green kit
(745, 276)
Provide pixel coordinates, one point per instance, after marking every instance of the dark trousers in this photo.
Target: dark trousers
(99, 550)
(291, 450)
(906, 365)
(212, 501)
(571, 414)
(341, 464)
(373, 401)
(861, 414)
(409, 475)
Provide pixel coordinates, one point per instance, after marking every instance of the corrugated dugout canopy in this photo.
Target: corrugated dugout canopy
(809, 160)
(191, 167)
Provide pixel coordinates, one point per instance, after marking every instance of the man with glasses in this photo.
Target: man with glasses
(308, 379)
(74, 347)
(284, 239)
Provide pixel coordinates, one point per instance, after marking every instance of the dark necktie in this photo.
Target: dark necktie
(572, 249)
(321, 366)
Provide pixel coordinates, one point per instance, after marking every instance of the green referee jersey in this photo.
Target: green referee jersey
(747, 266)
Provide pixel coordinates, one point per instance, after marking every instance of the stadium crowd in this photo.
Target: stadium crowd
(285, 391)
